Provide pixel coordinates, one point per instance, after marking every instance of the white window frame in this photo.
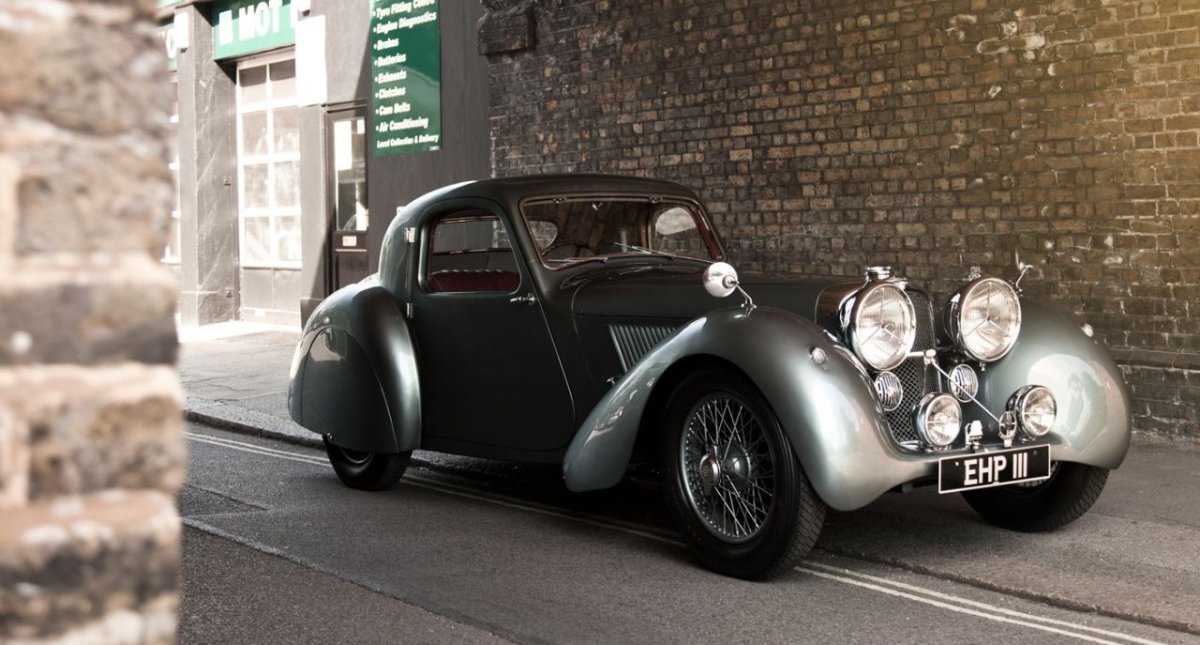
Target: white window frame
(167, 257)
(271, 213)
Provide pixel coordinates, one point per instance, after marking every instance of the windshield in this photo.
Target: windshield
(571, 230)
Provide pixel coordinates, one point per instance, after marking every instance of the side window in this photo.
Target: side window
(470, 252)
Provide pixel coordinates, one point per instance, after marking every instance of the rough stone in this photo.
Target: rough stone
(105, 563)
(14, 462)
(84, 112)
(91, 434)
(88, 311)
(98, 428)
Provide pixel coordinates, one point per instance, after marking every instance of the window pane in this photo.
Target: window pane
(253, 83)
(349, 168)
(254, 133)
(256, 239)
(543, 233)
(287, 130)
(674, 231)
(255, 188)
(351, 204)
(287, 238)
(287, 184)
(283, 80)
(470, 252)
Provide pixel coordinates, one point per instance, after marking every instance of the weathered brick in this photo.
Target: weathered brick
(68, 564)
(14, 462)
(1006, 131)
(97, 428)
(88, 311)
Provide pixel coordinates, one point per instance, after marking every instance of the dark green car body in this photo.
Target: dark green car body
(573, 362)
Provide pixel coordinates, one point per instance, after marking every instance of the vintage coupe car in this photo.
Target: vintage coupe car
(572, 318)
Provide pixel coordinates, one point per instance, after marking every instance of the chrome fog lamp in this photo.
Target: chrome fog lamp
(984, 318)
(890, 391)
(1035, 409)
(939, 419)
(964, 383)
(882, 325)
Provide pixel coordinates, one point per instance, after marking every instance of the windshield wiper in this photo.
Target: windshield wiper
(645, 251)
(581, 260)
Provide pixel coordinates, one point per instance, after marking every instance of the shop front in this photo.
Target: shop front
(303, 126)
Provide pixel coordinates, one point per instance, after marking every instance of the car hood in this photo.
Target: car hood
(675, 290)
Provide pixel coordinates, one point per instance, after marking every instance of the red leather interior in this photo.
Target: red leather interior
(481, 280)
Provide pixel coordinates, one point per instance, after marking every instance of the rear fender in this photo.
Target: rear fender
(828, 411)
(354, 374)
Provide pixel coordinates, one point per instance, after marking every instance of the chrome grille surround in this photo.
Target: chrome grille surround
(918, 378)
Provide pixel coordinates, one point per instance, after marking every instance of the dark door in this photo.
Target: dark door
(349, 261)
(489, 370)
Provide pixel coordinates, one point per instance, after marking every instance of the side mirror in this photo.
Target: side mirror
(720, 279)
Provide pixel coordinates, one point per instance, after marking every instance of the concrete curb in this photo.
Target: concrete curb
(240, 427)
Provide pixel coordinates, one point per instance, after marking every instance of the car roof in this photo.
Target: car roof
(510, 191)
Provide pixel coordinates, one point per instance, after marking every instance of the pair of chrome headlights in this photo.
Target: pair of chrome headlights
(983, 318)
(1031, 408)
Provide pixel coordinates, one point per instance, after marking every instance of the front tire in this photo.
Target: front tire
(366, 470)
(732, 484)
(1045, 506)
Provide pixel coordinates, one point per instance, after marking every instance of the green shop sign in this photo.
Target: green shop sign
(243, 27)
(406, 76)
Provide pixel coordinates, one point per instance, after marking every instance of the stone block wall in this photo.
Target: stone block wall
(91, 433)
(932, 135)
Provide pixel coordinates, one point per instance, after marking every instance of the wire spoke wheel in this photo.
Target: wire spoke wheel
(733, 485)
(728, 467)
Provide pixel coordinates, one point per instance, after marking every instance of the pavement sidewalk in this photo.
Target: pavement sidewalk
(235, 376)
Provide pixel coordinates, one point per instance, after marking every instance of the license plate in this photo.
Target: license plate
(988, 469)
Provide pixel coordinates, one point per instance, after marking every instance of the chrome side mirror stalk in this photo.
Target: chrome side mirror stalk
(721, 280)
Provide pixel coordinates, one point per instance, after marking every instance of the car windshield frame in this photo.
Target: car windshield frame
(640, 247)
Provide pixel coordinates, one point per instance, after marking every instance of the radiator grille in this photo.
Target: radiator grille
(918, 379)
(633, 341)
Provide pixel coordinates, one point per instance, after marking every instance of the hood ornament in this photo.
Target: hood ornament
(721, 280)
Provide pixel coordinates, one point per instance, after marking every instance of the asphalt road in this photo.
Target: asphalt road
(277, 550)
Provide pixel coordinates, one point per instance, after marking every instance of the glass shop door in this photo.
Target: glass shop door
(348, 142)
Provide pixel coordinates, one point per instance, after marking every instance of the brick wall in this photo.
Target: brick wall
(935, 136)
(91, 443)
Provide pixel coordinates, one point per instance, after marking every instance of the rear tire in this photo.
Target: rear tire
(366, 470)
(1045, 506)
(732, 484)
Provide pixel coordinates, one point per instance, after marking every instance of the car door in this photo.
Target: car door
(490, 375)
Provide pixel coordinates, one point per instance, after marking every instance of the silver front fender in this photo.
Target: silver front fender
(1093, 425)
(828, 411)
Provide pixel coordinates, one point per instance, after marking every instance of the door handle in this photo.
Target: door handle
(526, 299)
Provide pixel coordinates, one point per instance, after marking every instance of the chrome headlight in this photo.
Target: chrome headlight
(882, 325)
(1035, 408)
(984, 319)
(939, 419)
